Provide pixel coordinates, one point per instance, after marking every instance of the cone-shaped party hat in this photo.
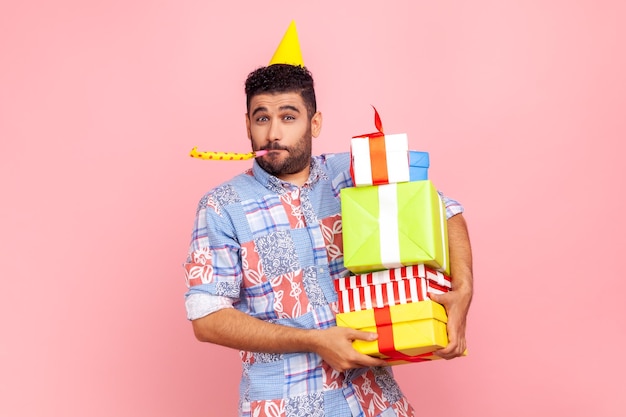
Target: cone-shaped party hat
(288, 51)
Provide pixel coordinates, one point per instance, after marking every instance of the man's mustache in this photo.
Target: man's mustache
(275, 147)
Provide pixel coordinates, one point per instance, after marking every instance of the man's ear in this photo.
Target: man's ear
(248, 126)
(316, 124)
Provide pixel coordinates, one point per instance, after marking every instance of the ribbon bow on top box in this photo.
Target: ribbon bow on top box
(385, 159)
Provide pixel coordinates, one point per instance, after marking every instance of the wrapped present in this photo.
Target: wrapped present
(386, 160)
(406, 332)
(394, 225)
(418, 165)
(378, 159)
(389, 287)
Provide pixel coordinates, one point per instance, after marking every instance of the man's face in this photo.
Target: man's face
(280, 124)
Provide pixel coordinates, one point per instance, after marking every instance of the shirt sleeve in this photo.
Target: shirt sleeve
(199, 305)
(453, 207)
(213, 268)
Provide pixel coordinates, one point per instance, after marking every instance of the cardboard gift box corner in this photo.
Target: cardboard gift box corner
(385, 159)
(406, 332)
(394, 225)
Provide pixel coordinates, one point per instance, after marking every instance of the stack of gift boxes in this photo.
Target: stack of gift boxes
(395, 245)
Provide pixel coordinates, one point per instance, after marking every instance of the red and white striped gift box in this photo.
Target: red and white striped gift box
(408, 284)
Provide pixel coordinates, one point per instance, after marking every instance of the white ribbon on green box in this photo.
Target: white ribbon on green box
(388, 230)
(394, 225)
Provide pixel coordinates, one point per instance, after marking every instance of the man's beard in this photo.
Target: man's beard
(298, 157)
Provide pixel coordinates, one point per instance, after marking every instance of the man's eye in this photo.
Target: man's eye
(289, 117)
(262, 119)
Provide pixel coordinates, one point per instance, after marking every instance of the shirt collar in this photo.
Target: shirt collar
(273, 183)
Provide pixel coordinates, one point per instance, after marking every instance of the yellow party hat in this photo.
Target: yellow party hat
(288, 51)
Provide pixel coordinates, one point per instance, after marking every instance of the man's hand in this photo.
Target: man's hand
(334, 345)
(456, 304)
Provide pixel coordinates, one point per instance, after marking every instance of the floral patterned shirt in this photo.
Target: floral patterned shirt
(272, 250)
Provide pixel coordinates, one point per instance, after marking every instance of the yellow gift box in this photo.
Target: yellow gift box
(405, 331)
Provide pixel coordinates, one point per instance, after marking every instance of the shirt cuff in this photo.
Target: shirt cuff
(453, 207)
(200, 305)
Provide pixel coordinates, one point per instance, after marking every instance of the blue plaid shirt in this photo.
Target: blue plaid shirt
(272, 250)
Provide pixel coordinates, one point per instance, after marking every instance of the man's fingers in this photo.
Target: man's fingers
(439, 298)
(453, 350)
(355, 359)
(360, 335)
(361, 359)
(448, 352)
(362, 362)
(434, 297)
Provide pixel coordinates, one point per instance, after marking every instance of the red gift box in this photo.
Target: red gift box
(408, 284)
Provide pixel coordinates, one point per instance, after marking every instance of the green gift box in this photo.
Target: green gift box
(394, 225)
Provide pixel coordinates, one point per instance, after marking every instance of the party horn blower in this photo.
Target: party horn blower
(225, 156)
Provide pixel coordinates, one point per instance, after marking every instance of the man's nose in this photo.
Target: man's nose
(274, 131)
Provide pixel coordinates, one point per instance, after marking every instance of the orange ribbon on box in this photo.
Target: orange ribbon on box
(377, 152)
(386, 346)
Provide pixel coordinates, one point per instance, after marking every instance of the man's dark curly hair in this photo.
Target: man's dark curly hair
(282, 78)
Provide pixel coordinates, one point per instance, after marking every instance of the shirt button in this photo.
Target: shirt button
(322, 270)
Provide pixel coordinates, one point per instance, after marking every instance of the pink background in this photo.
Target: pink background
(521, 105)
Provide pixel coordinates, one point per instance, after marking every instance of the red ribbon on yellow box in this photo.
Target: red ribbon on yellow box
(386, 345)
